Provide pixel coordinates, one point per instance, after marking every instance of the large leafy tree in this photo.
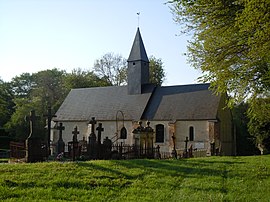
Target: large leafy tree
(79, 78)
(112, 69)
(35, 92)
(156, 71)
(6, 103)
(231, 45)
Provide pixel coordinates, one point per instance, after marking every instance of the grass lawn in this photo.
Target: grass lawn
(197, 179)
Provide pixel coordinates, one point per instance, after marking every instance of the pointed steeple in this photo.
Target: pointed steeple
(138, 66)
(138, 51)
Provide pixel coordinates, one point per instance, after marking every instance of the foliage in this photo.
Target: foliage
(245, 143)
(201, 179)
(22, 85)
(6, 104)
(48, 86)
(259, 123)
(35, 92)
(18, 127)
(156, 71)
(112, 68)
(231, 45)
(83, 79)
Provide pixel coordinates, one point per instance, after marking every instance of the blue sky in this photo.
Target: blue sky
(43, 34)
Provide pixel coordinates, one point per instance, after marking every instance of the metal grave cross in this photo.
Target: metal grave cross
(93, 122)
(60, 128)
(99, 129)
(49, 116)
(75, 132)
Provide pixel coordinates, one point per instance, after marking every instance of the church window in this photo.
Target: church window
(159, 133)
(191, 133)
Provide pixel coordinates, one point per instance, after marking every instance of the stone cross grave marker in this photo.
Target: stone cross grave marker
(60, 142)
(92, 145)
(49, 116)
(100, 130)
(32, 120)
(93, 122)
(186, 150)
(75, 132)
(33, 143)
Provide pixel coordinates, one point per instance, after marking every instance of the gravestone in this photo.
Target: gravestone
(33, 142)
(75, 143)
(92, 144)
(107, 144)
(49, 116)
(185, 155)
(99, 149)
(60, 143)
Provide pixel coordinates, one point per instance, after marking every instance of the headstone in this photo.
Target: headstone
(174, 153)
(100, 130)
(186, 149)
(49, 116)
(75, 143)
(60, 142)
(33, 142)
(107, 144)
(92, 140)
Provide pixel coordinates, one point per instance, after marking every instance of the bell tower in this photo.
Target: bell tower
(138, 66)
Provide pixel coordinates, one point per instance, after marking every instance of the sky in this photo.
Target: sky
(36, 35)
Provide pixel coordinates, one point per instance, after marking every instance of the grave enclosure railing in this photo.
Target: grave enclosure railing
(17, 150)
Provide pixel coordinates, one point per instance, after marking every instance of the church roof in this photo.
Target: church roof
(103, 104)
(184, 102)
(138, 51)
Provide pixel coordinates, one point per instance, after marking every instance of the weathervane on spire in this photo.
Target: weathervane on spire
(138, 14)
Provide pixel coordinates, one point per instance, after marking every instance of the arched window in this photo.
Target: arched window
(159, 133)
(191, 133)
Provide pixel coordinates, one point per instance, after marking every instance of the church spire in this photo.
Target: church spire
(138, 51)
(138, 66)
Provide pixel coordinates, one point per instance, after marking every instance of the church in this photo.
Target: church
(180, 116)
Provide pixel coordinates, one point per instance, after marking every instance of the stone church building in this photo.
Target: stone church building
(175, 112)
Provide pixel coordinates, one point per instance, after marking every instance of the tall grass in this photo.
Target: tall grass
(198, 179)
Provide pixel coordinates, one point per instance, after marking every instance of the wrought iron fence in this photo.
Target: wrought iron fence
(17, 150)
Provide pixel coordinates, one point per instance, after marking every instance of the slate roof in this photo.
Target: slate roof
(138, 51)
(103, 104)
(185, 102)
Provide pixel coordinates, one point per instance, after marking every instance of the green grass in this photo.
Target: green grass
(198, 179)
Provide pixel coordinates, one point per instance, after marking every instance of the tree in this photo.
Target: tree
(6, 103)
(112, 68)
(157, 74)
(83, 79)
(22, 85)
(35, 92)
(231, 45)
(49, 87)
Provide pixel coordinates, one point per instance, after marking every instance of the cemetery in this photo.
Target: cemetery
(97, 146)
